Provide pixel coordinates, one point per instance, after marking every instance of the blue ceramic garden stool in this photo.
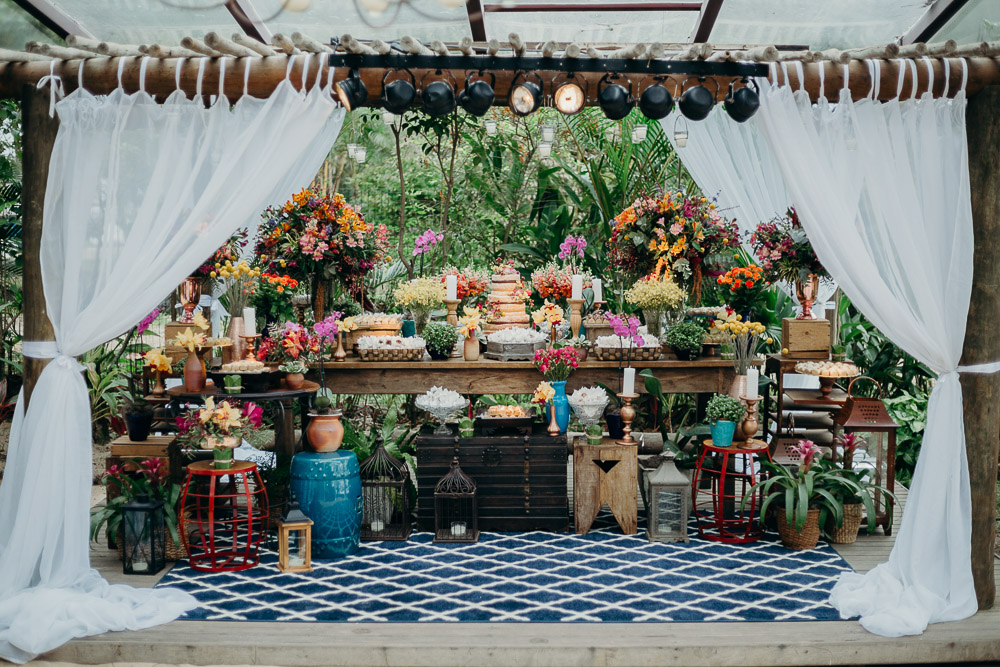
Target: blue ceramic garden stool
(327, 486)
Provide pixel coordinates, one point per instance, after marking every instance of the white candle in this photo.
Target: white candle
(628, 386)
(752, 376)
(451, 287)
(458, 528)
(250, 321)
(598, 290)
(139, 566)
(296, 560)
(577, 286)
(378, 526)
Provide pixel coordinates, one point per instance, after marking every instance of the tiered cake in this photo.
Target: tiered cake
(505, 303)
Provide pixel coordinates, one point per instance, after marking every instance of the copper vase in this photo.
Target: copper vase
(340, 354)
(805, 292)
(325, 432)
(189, 294)
(194, 373)
(158, 388)
(235, 333)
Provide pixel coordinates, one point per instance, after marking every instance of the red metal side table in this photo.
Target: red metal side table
(223, 517)
(721, 479)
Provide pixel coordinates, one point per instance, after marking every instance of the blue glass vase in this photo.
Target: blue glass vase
(722, 432)
(561, 405)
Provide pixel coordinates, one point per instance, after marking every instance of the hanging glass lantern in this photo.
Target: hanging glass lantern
(544, 149)
(386, 511)
(456, 517)
(361, 154)
(491, 127)
(294, 540)
(669, 504)
(548, 133)
(352, 150)
(680, 132)
(143, 536)
(638, 134)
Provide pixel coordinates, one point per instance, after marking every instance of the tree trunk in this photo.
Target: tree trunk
(981, 393)
(39, 135)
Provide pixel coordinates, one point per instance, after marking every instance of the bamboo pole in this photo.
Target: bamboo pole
(39, 135)
(981, 393)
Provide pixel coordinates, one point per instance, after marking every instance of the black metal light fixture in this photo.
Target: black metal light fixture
(525, 96)
(477, 96)
(615, 99)
(352, 91)
(656, 102)
(400, 94)
(697, 101)
(742, 103)
(438, 97)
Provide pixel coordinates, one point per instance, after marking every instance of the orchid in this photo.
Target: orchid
(470, 322)
(201, 322)
(572, 245)
(147, 322)
(156, 360)
(543, 393)
(189, 339)
(426, 241)
(327, 328)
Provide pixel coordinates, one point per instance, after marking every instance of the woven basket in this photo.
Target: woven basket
(807, 538)
(391, 355)
(848, 531)
(615, 353)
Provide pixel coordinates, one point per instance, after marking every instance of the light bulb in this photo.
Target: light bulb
(375, 7)
(638, 134)
(300, 5)
(548, 133)
(491, 127)
(544, 149)
(525, 98)
(569, 98)
(388, 117)
(361, 154)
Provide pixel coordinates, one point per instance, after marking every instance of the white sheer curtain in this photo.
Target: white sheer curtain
(138, 195)
(883, 193)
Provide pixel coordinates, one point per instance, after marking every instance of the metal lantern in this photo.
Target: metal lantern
(294, 540)
(386, 509)
(455, 513)
(868, 416)
(669, 504)
(143, 536)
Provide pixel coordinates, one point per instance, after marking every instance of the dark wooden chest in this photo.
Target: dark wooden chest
(520, 479)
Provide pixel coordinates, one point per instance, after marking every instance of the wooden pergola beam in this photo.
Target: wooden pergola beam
(53, 18)
(100, 76)
(702, 31)
(477, 21)
(931, 21)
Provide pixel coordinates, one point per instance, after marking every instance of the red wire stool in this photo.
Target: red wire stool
(728, 473)
(223, 517)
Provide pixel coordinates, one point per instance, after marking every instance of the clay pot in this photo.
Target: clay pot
(194, 373)
(294, 380)
(325, 432)
(471, 349)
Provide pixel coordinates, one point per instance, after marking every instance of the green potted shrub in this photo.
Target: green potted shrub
(295, 373)
(233, 384)
(685, 340)
(440, 338)
(723, 413)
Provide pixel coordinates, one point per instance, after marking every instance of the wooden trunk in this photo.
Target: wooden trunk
(805, 339)
(521, 480)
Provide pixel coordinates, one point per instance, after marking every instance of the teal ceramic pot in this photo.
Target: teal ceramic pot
(722, 432)
(327, 486)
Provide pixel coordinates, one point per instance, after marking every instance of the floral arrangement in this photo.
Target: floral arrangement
(556, 364)
(549, 312)
(470, 322)
(288, 342)
(272, 295)
(673, 227)
(745, 285)
(471, 282)
(554, 281)
(316, 235)
(626, 328)
(784, 250)
(238, 283)
(229, 251)
(572, 245)
(426, 242)
(543, 393)
(157, 361)
(655, 293)
(223, 426)
(745, 337)
(420, 293)
(151, 478)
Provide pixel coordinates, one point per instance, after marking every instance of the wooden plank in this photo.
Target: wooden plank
(932, 20)
(709, 13)
(981, 393)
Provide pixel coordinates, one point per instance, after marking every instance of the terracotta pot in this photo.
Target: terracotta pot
(582, 352)
(471, 349)
(847, 533)
(325, 432)
(807, 538)
(294, 380)
(194, 373)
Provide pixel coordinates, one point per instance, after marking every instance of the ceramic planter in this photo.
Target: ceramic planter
(294, 380)
(325, 431)
(722, 432)
(138, 425)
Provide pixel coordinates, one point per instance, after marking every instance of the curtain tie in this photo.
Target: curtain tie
(49, 349)
(55, 84)
(981, 369)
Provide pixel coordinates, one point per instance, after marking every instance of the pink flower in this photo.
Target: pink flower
(807, 450)
(254, 413)
(676, 228)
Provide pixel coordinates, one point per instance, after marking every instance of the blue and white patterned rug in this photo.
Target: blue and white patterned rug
(530, 577)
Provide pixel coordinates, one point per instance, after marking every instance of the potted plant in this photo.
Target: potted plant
(857, 491)
(138, 418)
(556, 364)
(685, 340)
(470, 329)
(295, 373)
(233, 384)
(804, 495)
(723, 413)
(219, 428)
(580, 344)
(440, 338)
(149, 477)
(420, 296)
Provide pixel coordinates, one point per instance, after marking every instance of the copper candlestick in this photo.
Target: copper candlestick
(575, 318)
(251, 353)
(628, 414)
(749, 425)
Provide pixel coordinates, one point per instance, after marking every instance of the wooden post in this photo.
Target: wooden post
(39, 135)
(982, 338)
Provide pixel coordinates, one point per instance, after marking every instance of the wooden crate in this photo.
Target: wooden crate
(805, 339)
(521, 480)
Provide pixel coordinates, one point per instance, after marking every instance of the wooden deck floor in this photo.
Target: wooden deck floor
(529, 645)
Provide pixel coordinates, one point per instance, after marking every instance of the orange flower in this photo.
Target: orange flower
(749, 284)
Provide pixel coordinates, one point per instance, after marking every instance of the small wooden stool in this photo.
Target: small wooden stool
(605, 473)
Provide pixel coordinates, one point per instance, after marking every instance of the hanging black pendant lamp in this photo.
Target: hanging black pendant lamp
(615, 99)
(352, 91)
(742, 103)
(400, 94)
(477, 96)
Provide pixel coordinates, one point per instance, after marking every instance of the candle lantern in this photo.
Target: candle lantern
(294, 540)
(455, 514)
(386, 503)
(668, 503)
(869, 418)
(143, 536)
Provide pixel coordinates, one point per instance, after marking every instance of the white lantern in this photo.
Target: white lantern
(680, 132)
(638, 134)
(361, 154)
(548, 133)
(352, 150)
(491, 127)
(544, 149)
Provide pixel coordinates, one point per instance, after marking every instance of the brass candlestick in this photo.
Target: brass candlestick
(553, 426)
(628, 414)
(749, 425)
(575, 318)
(250, 346)
(552, 334)
(340, 354)
(452, 305)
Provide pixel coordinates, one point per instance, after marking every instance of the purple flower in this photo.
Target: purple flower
(426, 241)
(327, 328)
(146, 322)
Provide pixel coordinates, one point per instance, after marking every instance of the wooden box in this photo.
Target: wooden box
(170, 332)
(521, 480)
(805, 339)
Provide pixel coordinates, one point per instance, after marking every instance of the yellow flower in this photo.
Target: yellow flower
(543, 393)
(158, 361)
(770, 340)
(189, 339)
(347, 324)
(200, 321)
(213, 274)
(538, 317)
